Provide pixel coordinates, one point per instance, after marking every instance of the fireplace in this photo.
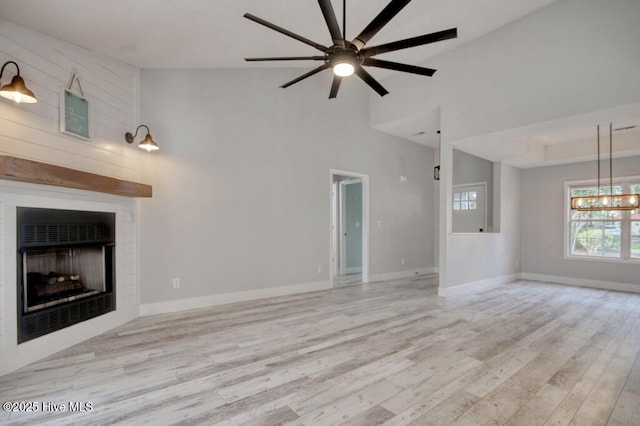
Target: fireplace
(66, 268)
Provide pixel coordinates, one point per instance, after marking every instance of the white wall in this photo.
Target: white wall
(18, 194)
(543, 212)
(569, 58)
(32, 131)
(242, 183)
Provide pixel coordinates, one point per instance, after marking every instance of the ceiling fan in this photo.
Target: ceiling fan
(349, 57)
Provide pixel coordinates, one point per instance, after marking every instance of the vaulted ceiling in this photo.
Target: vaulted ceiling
(205, 33)
(214, 34)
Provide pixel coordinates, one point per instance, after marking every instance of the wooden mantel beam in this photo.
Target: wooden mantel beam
(19, 169)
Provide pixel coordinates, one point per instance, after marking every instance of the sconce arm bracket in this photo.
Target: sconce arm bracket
(130, 137)
(7, 63)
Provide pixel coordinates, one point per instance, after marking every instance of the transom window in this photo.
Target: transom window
(604, 234)
(465, 200)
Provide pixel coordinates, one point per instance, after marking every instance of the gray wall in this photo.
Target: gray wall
(469, 168)
(242, 182)
(523, 82)
(484, 256)
(543, 214)
(353, 225)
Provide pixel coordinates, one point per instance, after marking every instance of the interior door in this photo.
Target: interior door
(353, 226)
(469, 208)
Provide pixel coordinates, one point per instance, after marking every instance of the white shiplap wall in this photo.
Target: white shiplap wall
(32, 130)
(15, 194)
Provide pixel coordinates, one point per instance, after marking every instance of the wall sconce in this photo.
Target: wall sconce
(147, 144)
(16, 90)
(436, 169)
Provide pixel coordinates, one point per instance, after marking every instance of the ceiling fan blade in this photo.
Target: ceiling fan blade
(372, 62)
(309, 74)
(410, 42)
(379, 22)
(335, 86)
(285, 32)
(367, 78)
(332, 22)
(287, 58)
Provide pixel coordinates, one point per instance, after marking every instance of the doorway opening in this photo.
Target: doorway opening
(349, 253)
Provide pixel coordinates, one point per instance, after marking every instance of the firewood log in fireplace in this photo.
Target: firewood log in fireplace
(52, 283)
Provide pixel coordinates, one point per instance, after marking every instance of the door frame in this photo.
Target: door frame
(365, 221)
(335, 234)
(342, 241)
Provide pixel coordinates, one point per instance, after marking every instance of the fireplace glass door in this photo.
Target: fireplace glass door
(61, 275)
(66, 268)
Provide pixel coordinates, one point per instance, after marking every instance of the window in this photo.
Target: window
(465, 200)
(604, 234)
(635, 226)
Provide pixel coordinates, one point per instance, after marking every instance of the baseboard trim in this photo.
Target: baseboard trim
(580, 282)
(402, 274)
(225, 298)
(472, 287)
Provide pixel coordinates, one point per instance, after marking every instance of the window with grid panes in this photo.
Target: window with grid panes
(465, 200)
(604, 234)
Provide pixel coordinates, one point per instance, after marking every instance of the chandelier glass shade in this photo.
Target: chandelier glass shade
(605, 202)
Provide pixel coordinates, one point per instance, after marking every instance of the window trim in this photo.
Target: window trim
(626, 219)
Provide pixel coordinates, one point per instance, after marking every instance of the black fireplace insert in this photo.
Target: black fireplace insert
(66, 268)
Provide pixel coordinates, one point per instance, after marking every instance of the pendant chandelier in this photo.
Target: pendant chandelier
(606, 202)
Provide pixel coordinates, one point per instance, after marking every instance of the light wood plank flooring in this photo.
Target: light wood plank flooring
(392, 353)
(347, 280)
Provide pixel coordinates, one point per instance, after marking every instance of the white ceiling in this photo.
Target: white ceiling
(562, 141)
(214, 34)
(208, 33)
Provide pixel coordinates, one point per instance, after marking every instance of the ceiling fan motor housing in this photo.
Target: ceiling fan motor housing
(339, 54)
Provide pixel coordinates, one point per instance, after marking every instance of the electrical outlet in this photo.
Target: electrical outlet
(176, 283)
(402, 261)
(320, 269)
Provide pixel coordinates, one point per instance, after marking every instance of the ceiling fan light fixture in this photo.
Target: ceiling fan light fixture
(343, 69)
(347, 57)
